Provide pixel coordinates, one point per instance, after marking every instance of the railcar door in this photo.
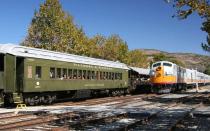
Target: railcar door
(19, 73)
(10, 73)
(1, 71)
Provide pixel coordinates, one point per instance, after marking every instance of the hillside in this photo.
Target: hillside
(192, 61)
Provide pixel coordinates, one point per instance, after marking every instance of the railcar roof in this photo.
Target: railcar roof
(52, 55)
(141, 71)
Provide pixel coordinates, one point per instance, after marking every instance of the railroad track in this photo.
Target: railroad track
(103, 100)
(11, 120)
(167, 116)
(6, 114)
(35, 121)
(124, 114)
(97, 117)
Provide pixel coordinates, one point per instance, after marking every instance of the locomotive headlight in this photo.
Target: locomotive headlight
(152, 73)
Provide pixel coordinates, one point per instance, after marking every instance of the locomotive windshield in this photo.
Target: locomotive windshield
(157, 64)
(167, 64)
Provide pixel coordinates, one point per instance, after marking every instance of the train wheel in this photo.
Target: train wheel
(114, 93)
(31, 101)
(50, 99)
(36, 100)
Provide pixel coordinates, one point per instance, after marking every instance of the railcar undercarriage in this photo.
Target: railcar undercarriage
(51, 97)
(167, 88)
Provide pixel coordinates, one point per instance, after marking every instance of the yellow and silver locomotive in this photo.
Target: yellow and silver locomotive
(166, 76)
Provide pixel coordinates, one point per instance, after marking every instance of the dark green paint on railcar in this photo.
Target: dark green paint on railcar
(10, 74)
(45, 83)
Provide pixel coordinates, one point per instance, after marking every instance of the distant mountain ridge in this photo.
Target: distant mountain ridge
(191, 60)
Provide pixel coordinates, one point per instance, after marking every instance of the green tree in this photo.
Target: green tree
(115, 49)
(160, 57)
(53, 29)
(96, 45)
(202, 8)
(137, 59)
(163, 57)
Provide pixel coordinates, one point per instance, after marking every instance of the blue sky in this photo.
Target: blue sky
(141, 23)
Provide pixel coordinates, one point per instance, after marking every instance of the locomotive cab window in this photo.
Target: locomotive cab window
(38, 72)
(157, 64)
(167, 64)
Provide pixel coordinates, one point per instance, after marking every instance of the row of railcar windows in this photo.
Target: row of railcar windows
(64, 73)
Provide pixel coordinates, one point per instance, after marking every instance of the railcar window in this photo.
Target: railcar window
(69, 73)
(75, 73)
(93, 75)
(107, 75)
(52, 72)
(101, 75)
(120, 76)
(110, 75)
(88, 75)
(116, 76)
(58, 75)
(79, 74)
(104, 75)
(64, 73)
(1, 62)
(97, 75)
(167, 64)
(157, 64)
(84, 74)
(38, 72)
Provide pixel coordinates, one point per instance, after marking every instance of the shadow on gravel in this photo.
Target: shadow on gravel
(187, 98)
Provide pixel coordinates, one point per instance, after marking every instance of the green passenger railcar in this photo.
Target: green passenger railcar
(40, 76)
